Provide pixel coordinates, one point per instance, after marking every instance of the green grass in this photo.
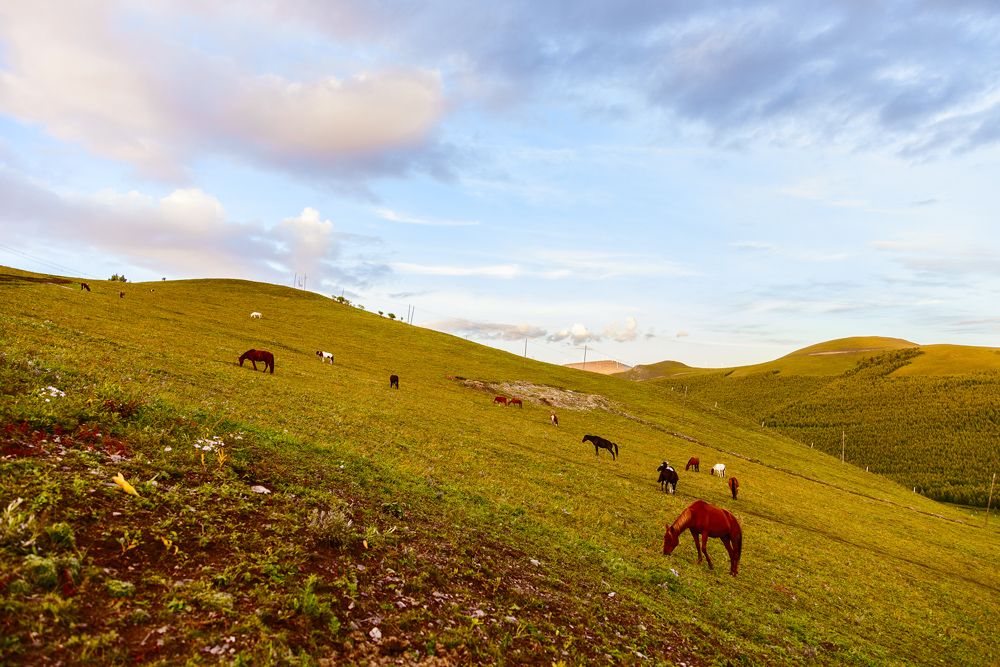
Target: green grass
(926, 417)
(459, 529)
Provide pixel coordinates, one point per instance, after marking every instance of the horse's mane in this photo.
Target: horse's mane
(681, 522)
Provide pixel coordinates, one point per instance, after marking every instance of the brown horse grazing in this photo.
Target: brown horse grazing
(502, 400)
(705, 521)
(734, 485)
(393, 381)
(693, 462)
(554, 419)
(600, 443)
(84, 286)
(259, 355)
(515, 401)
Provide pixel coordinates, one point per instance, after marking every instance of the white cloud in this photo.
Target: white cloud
(622, 333)
(489, 330)
(100, 75)
(496, 271)
(393, 216)
(186, 232)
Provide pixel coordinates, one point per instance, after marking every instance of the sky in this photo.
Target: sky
(717, 183)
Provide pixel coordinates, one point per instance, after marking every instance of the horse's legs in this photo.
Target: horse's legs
(697, 544)
(254, 364)
(704, 548)
(733, 563)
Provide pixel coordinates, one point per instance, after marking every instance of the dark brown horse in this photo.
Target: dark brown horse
(705, 521)
(734, 485)
(668, 477)
(393, 381)
(502, 400)
(693, 462)
(600, 443)
(84, 286)
(258, 355)
(515, 401)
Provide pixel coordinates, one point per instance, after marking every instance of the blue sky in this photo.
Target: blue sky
(717, 183)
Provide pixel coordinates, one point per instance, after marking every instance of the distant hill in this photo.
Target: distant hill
(925, 416)
(604, 367)
(829, 358)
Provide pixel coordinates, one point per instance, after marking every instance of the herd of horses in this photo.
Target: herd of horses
(702, 519)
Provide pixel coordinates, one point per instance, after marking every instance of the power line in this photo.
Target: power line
(39, 260)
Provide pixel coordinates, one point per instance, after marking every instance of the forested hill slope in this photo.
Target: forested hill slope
(161, 504)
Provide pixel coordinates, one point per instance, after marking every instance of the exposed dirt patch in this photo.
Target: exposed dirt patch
(555, 397)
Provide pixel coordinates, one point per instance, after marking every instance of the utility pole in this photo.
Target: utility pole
(990, 501)
(584, 357)
(843, 440)
(525, 347)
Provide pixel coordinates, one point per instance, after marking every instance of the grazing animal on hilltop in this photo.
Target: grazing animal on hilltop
(705, 521)
(668, 477)
(601, 443)
(719, 469)
(554, 419)
(324, 356)
(734, 485)
(515, 401)
(393, 381)
(121, 294)
(255, 315)
(84, 286)
(693, 462)
(502, 400)
(259, 355)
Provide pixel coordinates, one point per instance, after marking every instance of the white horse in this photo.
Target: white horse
(719, 469)
(324, 356)
(255, 315)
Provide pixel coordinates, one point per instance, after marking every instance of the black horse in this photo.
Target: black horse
(600, 443)
(393, 381)
(668, 477)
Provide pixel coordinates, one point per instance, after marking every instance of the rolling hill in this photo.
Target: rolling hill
(316, 514)
(925, 416)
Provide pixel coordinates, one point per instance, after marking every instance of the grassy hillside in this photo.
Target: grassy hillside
(423, 525)
(925, 416)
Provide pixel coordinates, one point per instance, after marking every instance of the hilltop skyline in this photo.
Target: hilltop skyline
(718, 184)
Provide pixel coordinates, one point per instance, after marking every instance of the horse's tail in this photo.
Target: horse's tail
(616, 448)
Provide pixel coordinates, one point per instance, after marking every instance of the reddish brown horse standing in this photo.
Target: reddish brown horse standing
(734, 485)
(705, 521)
(515, 401)
(693, 462)
(258, 355)
(502, 400)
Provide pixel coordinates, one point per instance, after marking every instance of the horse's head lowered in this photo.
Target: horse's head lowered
(670, 541)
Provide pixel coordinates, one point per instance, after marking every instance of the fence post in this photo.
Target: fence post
(990, 500)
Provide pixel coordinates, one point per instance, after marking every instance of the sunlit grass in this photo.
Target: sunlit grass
(839, 565)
